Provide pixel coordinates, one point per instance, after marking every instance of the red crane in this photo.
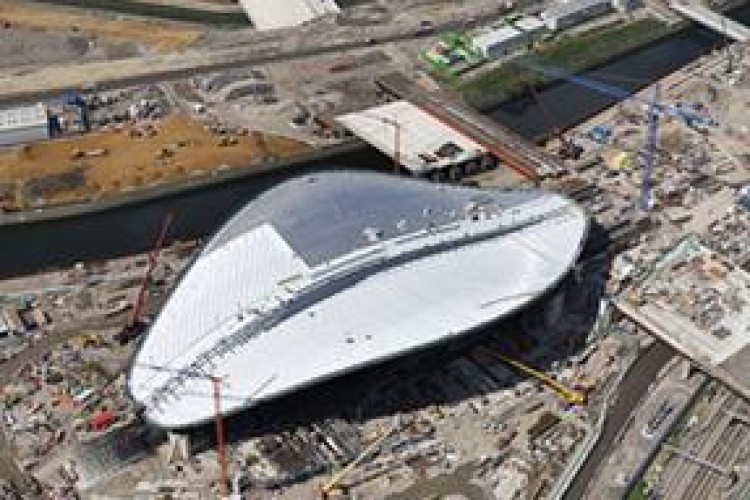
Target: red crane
(219, 421)
(135, 325)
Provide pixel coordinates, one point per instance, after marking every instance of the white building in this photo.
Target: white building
(267, 14)
(532, 27)
(328, 273)
(422, 137)
(23, 124)
(565, 15)
(498, 42)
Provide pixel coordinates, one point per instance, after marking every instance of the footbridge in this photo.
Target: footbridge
(713, 20)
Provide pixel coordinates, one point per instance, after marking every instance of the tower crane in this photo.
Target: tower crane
(691, 119)
(654, 109)
(648, 157)
(567, 394)
(135, 324)
(216, 382)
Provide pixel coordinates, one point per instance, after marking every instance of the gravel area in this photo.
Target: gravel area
(21, 47)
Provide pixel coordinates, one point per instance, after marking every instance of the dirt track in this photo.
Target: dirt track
(97, 165)
(160, 35)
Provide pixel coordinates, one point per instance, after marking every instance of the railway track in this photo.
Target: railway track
(720, 442)
(682, 469)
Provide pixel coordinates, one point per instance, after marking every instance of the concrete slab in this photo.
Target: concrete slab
(699, 303)
(423, 142)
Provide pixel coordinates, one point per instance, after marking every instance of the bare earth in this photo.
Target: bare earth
(96, 165)
(161, 35)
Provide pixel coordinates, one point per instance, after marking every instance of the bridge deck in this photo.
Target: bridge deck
(513, 150)
(714, 20)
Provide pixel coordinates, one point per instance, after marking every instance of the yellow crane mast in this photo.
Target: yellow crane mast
(335, 482)
(569, 395)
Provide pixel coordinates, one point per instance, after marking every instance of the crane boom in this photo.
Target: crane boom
(219, 421)
(396, 137)
(569, 395)
(153, 258)
(649, 153)
(614, 91)
(335, 481)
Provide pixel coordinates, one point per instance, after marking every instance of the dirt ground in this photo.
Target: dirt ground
(100, 164)
(160, 35)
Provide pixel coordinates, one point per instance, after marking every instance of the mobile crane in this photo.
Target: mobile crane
(135, 325)
(396, 138)
(567, 394)
(334, 484)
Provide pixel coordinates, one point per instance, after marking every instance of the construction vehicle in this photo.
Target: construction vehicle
(567, 394)
(334, 485)
(85, 340)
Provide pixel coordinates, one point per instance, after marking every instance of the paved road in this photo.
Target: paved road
(44, 82)
(632, 389)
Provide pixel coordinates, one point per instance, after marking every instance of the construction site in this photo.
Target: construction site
(130, 154)
(624, 378)
(454, 416)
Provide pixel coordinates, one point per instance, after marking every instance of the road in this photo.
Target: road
(632, 389)
(41, 83)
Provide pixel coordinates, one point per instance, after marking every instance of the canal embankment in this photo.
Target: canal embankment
(128, 224)
(582, 51)
(156, 191)
(574, 53)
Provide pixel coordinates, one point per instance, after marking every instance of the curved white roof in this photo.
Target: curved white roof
(327, 273)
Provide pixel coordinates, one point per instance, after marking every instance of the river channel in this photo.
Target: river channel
(564, 105)
(31, 247)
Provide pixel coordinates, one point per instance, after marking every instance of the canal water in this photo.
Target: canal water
(564, 105)
(198, 213)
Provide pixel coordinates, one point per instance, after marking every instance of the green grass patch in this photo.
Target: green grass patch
(638, 493)
(573, 53)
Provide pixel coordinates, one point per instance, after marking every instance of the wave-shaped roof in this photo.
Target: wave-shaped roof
(323, 216)
(327, 273)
